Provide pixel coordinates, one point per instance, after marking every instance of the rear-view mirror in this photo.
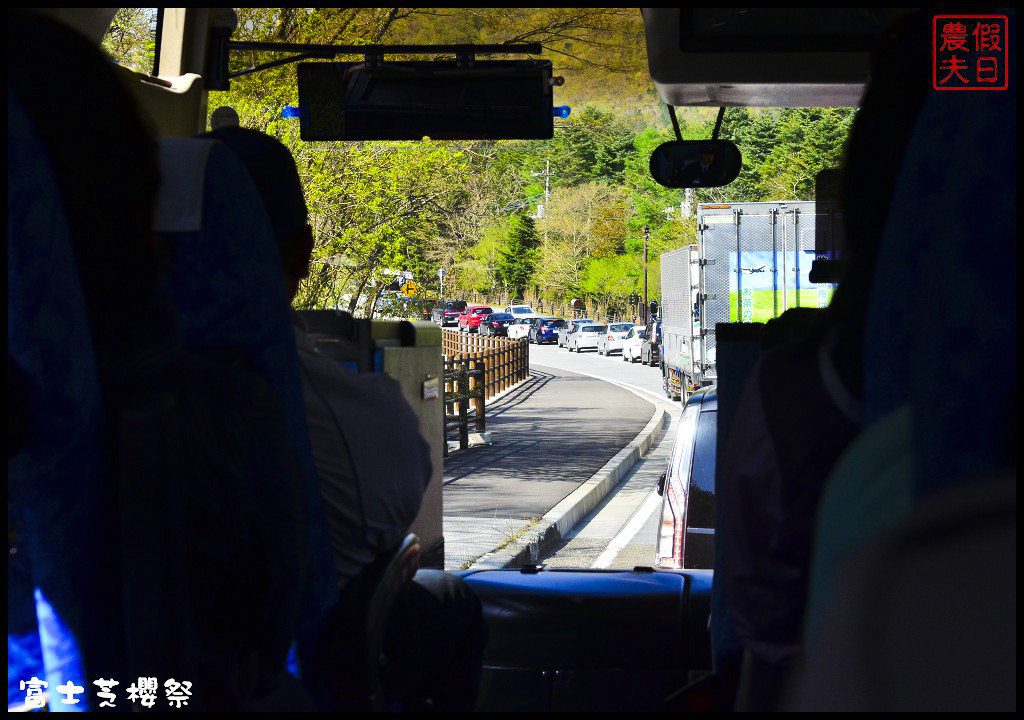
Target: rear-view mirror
(443, 100)
(695, 163)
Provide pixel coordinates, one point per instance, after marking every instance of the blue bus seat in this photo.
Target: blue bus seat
(54, 480)
(941, 331)
(942, 315)
(227, 287)
(940, 390)
(591, 640)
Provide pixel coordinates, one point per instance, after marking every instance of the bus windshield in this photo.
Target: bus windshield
(286, 348)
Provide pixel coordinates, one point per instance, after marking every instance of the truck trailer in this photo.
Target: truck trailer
(751, 263)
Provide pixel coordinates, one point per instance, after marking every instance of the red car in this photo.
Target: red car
(469, 321)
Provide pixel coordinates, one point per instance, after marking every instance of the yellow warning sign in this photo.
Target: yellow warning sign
(409, 288)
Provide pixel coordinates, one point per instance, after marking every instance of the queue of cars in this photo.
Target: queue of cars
(634, 343)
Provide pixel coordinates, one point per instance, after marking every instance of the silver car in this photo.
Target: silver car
(571, 325)
(583, 337)
(611, 339)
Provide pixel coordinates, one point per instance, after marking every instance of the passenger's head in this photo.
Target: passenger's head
(277, 180)
(104, 160)
(899, 83)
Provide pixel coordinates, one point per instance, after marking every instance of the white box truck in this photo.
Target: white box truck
(750, 264)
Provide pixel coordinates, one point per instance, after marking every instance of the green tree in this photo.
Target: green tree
(131, 39)
(519, 256)
(592, 145)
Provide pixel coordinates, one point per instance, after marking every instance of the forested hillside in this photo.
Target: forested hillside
(544, 221)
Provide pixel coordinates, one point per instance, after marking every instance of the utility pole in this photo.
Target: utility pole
(647, 236)
(547, 187)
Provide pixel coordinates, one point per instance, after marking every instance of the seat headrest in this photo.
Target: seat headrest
(179, 206)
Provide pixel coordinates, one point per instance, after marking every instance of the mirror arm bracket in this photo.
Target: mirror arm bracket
(718, 123)
(675, 121)
(277, 63)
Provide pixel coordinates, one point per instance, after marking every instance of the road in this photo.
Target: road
(560, 428)
(611, 367)
(621, 532)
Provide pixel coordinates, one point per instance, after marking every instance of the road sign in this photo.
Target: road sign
(409, 288)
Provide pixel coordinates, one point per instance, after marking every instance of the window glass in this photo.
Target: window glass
(704, 453)
(701, 513)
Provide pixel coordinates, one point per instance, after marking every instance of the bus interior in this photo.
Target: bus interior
(922, 618)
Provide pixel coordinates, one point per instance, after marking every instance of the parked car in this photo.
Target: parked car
(650, 351)
(448, 314)
(469, 321)
(547, 330)
(571, 324)
(611, 340)
(584, 336)
(521, 311)
(686, 536)
(521, 327)
(632, 343)
(495, 324)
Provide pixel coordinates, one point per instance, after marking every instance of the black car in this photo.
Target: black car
(686, 538)
(495, 324)
(448, 314)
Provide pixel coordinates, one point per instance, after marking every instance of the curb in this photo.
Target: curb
(562, 517)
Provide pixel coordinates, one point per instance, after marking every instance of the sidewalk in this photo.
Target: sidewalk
(561, 441)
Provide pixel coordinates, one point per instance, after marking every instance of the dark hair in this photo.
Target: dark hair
(900, 81)
(104, 161)
(273, 171)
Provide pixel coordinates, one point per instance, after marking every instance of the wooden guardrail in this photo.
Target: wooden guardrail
(475, 370)
(506, 362)
(463, 384)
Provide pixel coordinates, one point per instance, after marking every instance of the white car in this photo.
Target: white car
(632, 342)
(584, 336)
(521, 311)
(611, 340)
(520, 327)
(571, 325)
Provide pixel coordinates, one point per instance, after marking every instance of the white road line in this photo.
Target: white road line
(629, 530)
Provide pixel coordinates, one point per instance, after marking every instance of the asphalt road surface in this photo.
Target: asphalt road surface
(550, 435)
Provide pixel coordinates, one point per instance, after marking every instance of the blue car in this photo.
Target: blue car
(547, 330)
